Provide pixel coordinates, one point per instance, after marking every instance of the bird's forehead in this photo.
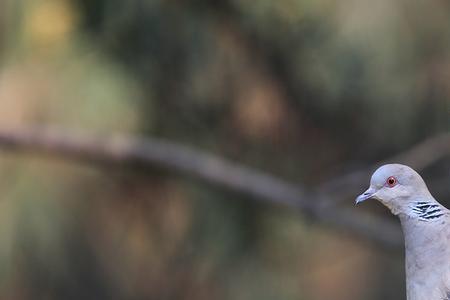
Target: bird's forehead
(396, 170)
(380, 176)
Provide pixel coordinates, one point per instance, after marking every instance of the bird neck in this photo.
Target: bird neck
(420, 229)
(425, 210)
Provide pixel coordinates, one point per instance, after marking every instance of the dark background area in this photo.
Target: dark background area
(304, 90)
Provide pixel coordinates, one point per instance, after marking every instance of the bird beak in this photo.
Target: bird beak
(366, 195)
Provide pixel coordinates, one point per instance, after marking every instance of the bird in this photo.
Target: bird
(426, 229)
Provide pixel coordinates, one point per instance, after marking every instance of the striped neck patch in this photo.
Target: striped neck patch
(427, 211)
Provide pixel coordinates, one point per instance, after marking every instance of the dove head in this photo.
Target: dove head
(397, 187)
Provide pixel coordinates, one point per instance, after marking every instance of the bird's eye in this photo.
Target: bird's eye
(391, 181)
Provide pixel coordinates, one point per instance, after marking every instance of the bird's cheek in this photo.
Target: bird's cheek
(389, 202)
(376, 194)
(382, 197)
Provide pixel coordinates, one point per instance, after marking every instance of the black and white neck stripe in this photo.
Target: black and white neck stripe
(427, 211)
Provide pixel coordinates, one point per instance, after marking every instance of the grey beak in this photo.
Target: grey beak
(366, 195)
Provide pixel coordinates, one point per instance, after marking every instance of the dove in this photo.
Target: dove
(426, 228)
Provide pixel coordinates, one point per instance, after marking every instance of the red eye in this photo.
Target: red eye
(391, 181)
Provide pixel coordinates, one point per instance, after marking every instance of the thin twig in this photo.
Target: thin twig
(418, 157)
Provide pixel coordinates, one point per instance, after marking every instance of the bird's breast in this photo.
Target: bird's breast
(427, 259)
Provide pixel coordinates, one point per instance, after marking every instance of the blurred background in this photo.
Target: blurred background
(304, 90)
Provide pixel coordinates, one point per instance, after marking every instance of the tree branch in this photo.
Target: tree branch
(318, 205)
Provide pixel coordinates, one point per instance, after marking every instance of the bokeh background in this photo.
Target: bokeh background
(305, 90)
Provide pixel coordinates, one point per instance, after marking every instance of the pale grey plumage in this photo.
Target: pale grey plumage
(426, 228)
